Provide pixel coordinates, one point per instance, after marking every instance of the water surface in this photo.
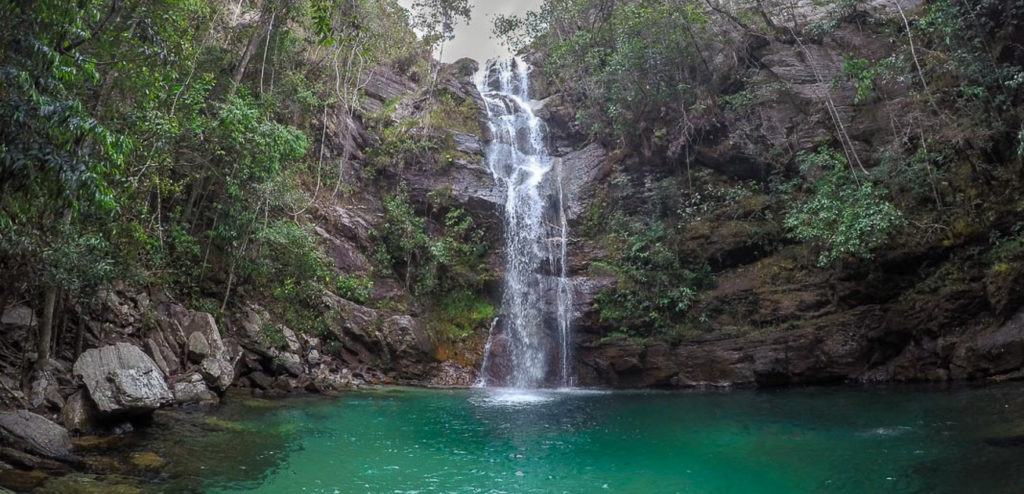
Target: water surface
(831, 440)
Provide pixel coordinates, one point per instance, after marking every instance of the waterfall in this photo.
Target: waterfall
(530, 341)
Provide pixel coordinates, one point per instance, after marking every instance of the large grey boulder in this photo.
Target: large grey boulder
(122, 379)
(27, 431)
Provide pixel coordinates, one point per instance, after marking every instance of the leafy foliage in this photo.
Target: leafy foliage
(846, 218)
(438, 18)
(355, 288)
(162, 143)
(431, 261)
(441, 257)
(632, 68)
(460, 314)
(657, 282)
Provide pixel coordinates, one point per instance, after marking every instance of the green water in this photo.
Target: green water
(834, 440)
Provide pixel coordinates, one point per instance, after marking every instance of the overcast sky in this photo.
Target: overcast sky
(474, 39)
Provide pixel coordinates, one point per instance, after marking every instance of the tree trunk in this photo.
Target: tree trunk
(79, 338)
(3, 302)
(46, 328)
(60, 330)
(250, 48)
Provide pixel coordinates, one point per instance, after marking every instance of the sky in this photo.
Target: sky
(474, 40)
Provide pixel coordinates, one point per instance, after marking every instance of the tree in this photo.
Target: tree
(437, 19)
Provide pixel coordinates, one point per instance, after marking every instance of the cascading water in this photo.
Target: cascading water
(528, 345)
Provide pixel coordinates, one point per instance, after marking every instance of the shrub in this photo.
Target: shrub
(843, 216)
(355, 288)
(656, 282)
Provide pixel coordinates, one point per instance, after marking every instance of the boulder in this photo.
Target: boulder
(198, 347)
(19, 315)
(193, 390)
(79, 414)
(407, 338)
(44, 390)
(122, 379)
(165, 356)
(36, 434)
(261, 380)
(289, 362)
(219, 373)
(216, 362)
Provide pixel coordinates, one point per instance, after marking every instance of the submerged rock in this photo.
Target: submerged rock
(146, 460)
(36, 434)
(122, 379)
(90, 484)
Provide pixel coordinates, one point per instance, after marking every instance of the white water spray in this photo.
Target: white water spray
(533, 335)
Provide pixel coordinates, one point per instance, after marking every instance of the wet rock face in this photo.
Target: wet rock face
(35, 434)
(121, 379)
(993, 351)
(493, 80)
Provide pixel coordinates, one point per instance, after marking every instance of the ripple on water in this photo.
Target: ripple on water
(516, 398)
(509, 397)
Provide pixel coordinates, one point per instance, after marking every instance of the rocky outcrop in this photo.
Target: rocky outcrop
(931, 309)
(35, 434)
(216, 361)
(382, 85)
(578, 173)
(367, 335)
(121, 379)
(466, 178)
(777, 322)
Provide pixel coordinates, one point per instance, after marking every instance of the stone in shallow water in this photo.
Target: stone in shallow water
(122, 379)
(19, 480)
(36, 434)
(193, 392)
(146, 459)
(89, 484)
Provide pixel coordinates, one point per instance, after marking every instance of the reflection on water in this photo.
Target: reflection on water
(836, 440)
